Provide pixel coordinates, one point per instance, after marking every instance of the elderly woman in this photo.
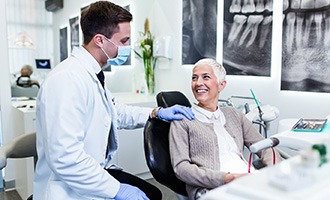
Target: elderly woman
(24, 80)
(208, 152)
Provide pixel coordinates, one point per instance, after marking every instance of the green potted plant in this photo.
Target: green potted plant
(145, 52)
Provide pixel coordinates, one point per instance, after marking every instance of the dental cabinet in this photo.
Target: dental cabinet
(288, 180)
(305, 175)
(25, 122)
(130, 154)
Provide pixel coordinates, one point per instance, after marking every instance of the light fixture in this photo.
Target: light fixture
(23, 40)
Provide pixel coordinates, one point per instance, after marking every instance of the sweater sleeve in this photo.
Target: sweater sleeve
(184, 168)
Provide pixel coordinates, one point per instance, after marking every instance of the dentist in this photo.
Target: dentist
(78, 118)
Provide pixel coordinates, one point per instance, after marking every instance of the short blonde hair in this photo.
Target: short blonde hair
(218, 69)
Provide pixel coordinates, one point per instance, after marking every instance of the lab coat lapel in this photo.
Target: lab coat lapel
(113, 138)
(89, 63)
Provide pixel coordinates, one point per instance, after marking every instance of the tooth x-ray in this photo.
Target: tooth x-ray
(247, 37)
(306, 42)
(199, 29)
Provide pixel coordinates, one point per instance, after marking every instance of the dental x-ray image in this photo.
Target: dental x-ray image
(306, 45)
(199, 29)
(247, 37)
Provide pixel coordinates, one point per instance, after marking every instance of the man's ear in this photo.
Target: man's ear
(98, 40)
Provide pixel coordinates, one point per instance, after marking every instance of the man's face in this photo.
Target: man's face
(121, 38)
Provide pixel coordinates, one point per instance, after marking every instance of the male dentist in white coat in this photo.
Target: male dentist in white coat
(78, 118)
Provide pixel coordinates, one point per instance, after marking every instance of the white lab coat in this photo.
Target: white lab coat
(74, 119)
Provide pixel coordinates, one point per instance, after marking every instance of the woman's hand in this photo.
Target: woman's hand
(230, 177)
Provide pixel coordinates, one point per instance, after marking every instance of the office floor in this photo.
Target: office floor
(167, 193)
(10, 195)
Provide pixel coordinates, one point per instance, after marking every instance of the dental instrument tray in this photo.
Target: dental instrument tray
(309, 125)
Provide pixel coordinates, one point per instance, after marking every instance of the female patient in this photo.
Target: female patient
(207, 152)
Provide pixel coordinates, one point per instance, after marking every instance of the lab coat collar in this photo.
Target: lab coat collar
(93, 68)
(90, 63)
(87, 61)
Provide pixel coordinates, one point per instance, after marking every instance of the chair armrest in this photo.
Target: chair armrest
(20, 147)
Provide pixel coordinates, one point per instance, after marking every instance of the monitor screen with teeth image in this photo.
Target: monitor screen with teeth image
(306, 46)
(247, 37)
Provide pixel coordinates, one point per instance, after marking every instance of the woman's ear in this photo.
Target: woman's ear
(222, 85)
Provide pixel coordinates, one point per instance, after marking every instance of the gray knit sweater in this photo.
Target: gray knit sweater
(195, 150)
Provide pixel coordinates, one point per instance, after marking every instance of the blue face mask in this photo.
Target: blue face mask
(122, 55)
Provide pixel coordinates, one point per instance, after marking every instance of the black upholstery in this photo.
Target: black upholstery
(156, 144)
(170, 98)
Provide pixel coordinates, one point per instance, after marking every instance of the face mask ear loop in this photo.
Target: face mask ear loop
(110, 41)
(105, 53)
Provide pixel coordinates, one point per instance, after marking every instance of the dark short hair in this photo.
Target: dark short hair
(102, 17)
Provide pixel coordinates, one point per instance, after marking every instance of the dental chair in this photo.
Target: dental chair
(23, 146)
(156, 145)
(18, 91)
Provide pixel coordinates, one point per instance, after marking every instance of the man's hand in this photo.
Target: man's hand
(128, 192)
(174, 113)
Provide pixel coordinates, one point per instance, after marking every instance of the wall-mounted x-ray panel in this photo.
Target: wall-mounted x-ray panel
(74, 30)
(199, 30)
(63, 43)
(306, 46)
(247, 37)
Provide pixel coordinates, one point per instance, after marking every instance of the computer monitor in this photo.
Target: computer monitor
(43, 64)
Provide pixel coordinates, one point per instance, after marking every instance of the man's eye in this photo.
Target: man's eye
(206, 77)
(124, 41)
(194, 78)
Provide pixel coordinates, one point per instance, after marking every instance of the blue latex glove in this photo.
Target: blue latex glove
(173, 113)
(128, 192)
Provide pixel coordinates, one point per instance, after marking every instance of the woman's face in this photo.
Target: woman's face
(206, 87)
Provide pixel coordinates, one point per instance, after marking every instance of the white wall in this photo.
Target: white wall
(5, 103)
(7, 120)
(166, 19)
(29, 17)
